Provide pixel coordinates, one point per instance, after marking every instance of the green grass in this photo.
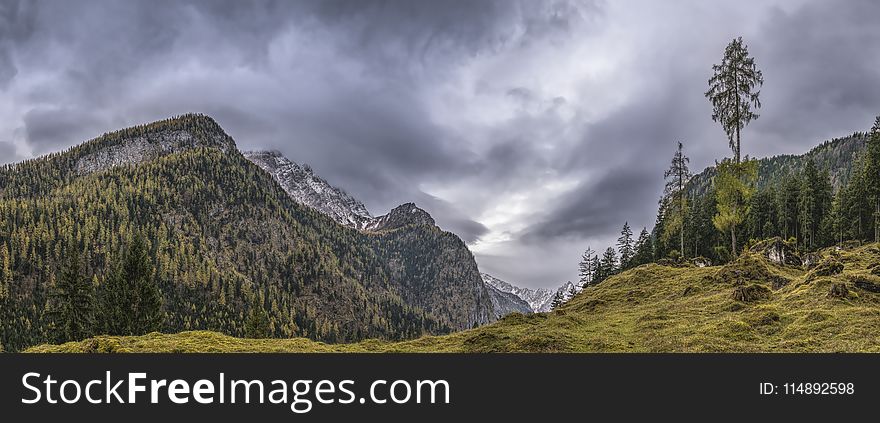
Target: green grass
(651, 308)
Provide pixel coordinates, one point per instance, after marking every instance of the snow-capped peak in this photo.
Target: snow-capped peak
(538, 299)
(306, 188)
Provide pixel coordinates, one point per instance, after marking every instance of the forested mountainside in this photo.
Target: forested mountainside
(223, 239)
(838, 156)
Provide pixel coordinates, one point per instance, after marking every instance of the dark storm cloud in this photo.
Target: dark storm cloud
(598, 208)
(824, 64)
(541, 124)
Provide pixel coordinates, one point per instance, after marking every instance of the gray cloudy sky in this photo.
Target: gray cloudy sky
(530, 128)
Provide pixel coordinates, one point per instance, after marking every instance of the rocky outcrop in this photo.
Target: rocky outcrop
(308, 189)
(401, 216)
(148, 142)
(778, 251)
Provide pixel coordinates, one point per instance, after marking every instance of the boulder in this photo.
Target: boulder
(701, 262)
(838, 290)
(751, 293)
(778, 252)
(828, 267)
(866, 284)
(810, 260)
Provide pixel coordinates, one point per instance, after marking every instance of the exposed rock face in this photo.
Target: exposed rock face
(778, 251)
(310, 190)
(148, 147)
(701, 262)
(539, 300)
(504, 303)
(401, 216)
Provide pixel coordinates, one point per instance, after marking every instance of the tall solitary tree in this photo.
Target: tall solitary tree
(131, 299)
(625, 246)
(677, 177)
(732, 92)
(72, 303)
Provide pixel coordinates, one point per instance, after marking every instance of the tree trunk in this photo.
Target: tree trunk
(733, 253)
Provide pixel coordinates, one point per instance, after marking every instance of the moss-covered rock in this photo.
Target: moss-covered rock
(751, 293)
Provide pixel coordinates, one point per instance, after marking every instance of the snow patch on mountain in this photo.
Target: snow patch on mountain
(308, 189)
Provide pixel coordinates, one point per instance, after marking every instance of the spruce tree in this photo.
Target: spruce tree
(585, 267)
(872, 175)
(131, 299)
(625, 246)
(71, 303)
(608, 263)
(677, 177)
(257, 325)
(644, 249)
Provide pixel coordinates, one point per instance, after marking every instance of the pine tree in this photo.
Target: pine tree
(257, 325)
(71, 306)
(608, 264)
(732, 92)
(644, 249)
(807, 205)
(557, 301)
(625, 246)
(677, 177)
(586, 270)
(131, 299)
(872, 175)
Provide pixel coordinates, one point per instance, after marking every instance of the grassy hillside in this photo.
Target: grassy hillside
(650, 308)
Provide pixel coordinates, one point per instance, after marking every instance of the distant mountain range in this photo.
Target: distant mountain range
(538, 300)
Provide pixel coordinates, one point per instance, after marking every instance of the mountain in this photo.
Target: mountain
(307, 189)
(400, 217)
(538, 300)
(504, 303)
(838, 155)
(417, 240)
(754, 304)
(224, 237)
